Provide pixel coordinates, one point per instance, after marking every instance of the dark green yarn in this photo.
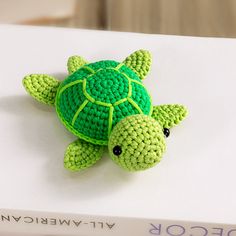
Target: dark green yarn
(123, 110)
(110, 86)
(131, 74)
(93, 121)
(70, 101)
(103, 64)
(78, 75)
(92, 100)
(141, 98)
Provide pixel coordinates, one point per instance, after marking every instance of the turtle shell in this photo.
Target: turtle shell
(92, 100)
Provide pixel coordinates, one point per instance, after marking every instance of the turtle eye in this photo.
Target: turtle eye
(166, 132)
(117, 150)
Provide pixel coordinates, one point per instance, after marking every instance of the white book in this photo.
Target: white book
(48, 223)
(191, 192)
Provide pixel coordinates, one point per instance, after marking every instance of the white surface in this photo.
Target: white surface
(196, 179)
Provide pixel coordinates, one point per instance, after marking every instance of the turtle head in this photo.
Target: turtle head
(137, 142)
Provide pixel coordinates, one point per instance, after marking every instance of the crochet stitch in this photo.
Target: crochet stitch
(106, 103)
(81, 155)
(42, 87)
(95, 98)
(142, 141)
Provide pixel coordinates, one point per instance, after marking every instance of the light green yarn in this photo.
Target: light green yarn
(81, 155)
(169, 115)
(141, 140)
(74, 63)
(140, 62)
(106, 103)
(42, 87)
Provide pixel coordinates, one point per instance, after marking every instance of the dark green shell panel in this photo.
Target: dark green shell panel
(92, 100)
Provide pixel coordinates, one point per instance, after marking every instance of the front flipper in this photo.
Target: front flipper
(81, 155)
(42, 87)
(74, 63)
(169, 115)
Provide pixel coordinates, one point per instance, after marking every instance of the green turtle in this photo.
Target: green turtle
(106, 104)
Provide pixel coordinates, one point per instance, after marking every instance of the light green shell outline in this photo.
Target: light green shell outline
(92, 100)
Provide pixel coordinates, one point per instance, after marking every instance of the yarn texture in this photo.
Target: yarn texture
(81, 155)
(91, 101)
(74, 63)
(169, 116)
(42, 87)
(139, 62)
(105, 103)
(142, 141)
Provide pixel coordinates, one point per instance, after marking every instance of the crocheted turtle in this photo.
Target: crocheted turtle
(105, 103)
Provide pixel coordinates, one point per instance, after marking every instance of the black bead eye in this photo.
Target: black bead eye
(117, 150)
(166, 132)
